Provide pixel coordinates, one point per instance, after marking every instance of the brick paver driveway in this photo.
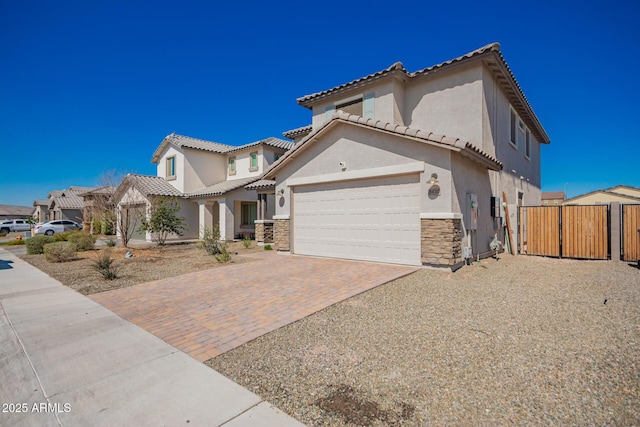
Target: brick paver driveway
(209, 312)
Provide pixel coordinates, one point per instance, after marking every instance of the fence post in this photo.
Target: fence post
(614, 231)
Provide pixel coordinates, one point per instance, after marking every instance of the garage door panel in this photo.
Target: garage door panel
(375, 220)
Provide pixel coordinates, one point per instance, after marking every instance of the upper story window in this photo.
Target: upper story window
(359, 105)
(253, 161)
(171, 167)
(276, 156)
(513, 132)
(232, 165)
(527, 144)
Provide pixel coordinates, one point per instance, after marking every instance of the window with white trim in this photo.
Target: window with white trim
(527, 145)
(232, 165)
(253, 161)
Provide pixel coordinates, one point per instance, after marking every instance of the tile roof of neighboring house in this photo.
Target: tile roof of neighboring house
(222, 187)
(262, 183)
(11, 210)
(54, 193)
(304, 130)
(552, 195)
(181, 141)
(107, 190)
(634, 199)
(151, 185)
(68, 200)
(465, 148)
(495, 61)
(41, 202)
(78, 190)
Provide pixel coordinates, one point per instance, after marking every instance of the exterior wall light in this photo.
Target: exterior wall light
(434, 179)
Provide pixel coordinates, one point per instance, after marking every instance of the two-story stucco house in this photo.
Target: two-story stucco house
(408, 167)
(208, 180)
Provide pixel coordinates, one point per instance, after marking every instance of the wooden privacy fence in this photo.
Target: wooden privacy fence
(630, 237)
(565, 231)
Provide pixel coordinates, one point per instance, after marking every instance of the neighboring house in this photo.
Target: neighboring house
(15, 212)
(553, 198)
(208, 180)
(67, 204)
(622, 194)
(403, 167)
(97, 206)
(41, 210)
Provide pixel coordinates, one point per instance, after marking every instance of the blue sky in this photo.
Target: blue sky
(92, 86)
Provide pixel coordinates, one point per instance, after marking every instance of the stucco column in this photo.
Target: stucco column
(205, 217)
(226, 219)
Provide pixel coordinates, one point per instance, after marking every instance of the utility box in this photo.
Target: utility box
(471, 212)
(496, 207)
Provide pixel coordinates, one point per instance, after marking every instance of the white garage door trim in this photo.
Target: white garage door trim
(370, 219)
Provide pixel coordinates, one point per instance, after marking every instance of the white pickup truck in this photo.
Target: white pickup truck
(14, 225)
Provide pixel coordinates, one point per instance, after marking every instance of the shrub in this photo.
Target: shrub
(82, 241)
(267, 247)
(163, 220)
(59, 251)
(97, 225)
(63, 237)
(106, 266)
(211, 240)
(111, 242)
(15, 242)
(224, 256)
(2, 234)
(246, 242)
(35, 245)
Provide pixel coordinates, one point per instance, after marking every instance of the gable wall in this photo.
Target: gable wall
(388, 102)
(202, 168)
(363, 149)
(161, 167)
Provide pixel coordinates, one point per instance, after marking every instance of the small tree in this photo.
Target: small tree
(163, 220)
(128, 216)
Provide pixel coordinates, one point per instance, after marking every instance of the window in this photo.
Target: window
(171, 167)
(276, 157)
(249, 213)
(545, 203)
(555, 203)
(351, 107)
(232, 165)
(513, 136)
(527, 144)
(253, 164)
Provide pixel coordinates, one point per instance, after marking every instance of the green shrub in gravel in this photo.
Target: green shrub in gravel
(267, 247)
(63, 237)
(35, 245)
(224, 256)
(111, 242)
(59, 252)
(211, 240)
(15, 242)
(105, 265)
(82, 241)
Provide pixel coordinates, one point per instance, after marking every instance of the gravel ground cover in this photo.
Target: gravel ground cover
(519, 341)
(149, 262)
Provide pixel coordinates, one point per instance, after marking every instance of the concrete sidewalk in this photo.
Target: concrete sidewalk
(66, 360)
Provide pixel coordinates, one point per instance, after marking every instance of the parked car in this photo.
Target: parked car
(14, 225)
(57, 226)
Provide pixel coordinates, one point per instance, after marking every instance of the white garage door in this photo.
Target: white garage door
(373, 219)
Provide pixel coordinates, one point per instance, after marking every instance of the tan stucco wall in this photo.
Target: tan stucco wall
(161, 167)
(626, 190)
(202, 168)
(243, 163)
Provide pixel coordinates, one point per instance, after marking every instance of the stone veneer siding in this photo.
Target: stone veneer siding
(281, 235)
(441, 242)
(264, 231)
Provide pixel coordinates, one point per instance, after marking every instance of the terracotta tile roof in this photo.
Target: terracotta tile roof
(262, 183)
(495, 61)
(465, 148)
(222, 187)
(301, 131)
(151, 185)
(395, 68)
(181, 141)
(271, 141)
